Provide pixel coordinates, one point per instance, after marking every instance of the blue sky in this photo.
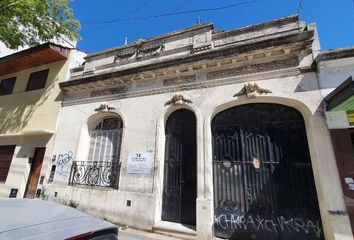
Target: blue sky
(334, 19)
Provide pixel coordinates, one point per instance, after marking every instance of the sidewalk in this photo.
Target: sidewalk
(134, 234)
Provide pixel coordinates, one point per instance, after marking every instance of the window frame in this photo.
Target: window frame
(2, 91)
(99, 131)
(37, 80)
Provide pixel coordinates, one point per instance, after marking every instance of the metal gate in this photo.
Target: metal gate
(263, 182)
(180, 184)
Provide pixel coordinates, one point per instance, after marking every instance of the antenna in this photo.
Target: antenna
(299, 7)
(198, 20)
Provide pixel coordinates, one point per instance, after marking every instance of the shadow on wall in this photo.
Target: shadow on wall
(308, 83)
(17, 109)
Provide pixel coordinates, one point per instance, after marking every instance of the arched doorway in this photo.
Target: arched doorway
(180, 172)
(263, 181)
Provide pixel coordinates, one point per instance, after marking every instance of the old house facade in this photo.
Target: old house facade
(219, 131)
(335, 73)
(29, 106)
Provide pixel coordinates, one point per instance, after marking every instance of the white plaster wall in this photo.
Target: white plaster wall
(332, 73)
(144, 119)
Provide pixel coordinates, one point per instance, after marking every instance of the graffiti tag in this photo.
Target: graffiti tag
(63, 162)
(280, 224)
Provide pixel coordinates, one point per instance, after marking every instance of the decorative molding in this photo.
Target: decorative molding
(252, 90)
(109, 91)
(140, 50)
(178, 99)
(255, 68)
(104, 108)
(179, 80)
(197, 85)
(124, 55)
(149, 49)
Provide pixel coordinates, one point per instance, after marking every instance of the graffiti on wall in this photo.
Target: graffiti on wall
(267, 226)
(63, 165)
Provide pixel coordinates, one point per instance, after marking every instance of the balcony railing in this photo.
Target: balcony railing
(95, 174)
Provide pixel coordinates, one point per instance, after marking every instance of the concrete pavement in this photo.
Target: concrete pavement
(134, 234)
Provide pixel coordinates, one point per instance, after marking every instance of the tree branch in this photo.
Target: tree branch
(9, 5)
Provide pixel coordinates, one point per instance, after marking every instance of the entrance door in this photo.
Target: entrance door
(263, 182)
(180, 181)
(35, 172)
(6, 153)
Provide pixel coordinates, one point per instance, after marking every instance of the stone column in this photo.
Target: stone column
(205, 209)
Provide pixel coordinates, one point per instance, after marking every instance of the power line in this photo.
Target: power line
(120, 19)
(153, 24)
(184, 4)
(138, 8)
(146, 3)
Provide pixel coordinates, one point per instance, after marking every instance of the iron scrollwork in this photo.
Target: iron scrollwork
(95, 174)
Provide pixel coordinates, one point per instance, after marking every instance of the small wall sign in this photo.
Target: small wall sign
(350, 182)
(350, 116)
(139, 163)
(13, 193)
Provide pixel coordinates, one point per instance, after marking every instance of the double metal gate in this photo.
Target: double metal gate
(263, 180)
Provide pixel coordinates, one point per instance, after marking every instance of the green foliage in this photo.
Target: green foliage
(44, 195)
(73, 204)
(29, 22)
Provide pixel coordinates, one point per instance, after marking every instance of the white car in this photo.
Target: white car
(38, 219)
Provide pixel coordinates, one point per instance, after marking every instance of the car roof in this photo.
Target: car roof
(38, 219)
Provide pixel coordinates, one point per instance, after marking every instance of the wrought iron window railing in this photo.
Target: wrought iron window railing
(95, 174)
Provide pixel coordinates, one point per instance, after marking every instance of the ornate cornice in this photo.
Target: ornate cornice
(184, 87)
(109, 91)
(140, 50)
(254, 68)
(251, 90)
(179, 80)
(302, 40)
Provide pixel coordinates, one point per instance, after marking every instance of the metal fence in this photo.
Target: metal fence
(95, 174)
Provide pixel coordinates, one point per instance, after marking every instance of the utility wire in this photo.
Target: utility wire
(120, 19)
(175, 10)
(146, 3)
(138, 8)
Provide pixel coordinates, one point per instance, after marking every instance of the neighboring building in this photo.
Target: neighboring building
(336, 71)
(204, 132)
(29, 105)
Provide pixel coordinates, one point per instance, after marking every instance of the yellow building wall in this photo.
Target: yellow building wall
(35, 110)
(25, 117)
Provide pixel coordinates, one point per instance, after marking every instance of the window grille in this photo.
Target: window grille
(105, 140)
(102, 168)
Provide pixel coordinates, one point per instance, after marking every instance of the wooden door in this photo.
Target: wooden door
(35, 172)
(6, 153)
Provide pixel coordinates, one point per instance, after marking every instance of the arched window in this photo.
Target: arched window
(105, 140)
(102, 142)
